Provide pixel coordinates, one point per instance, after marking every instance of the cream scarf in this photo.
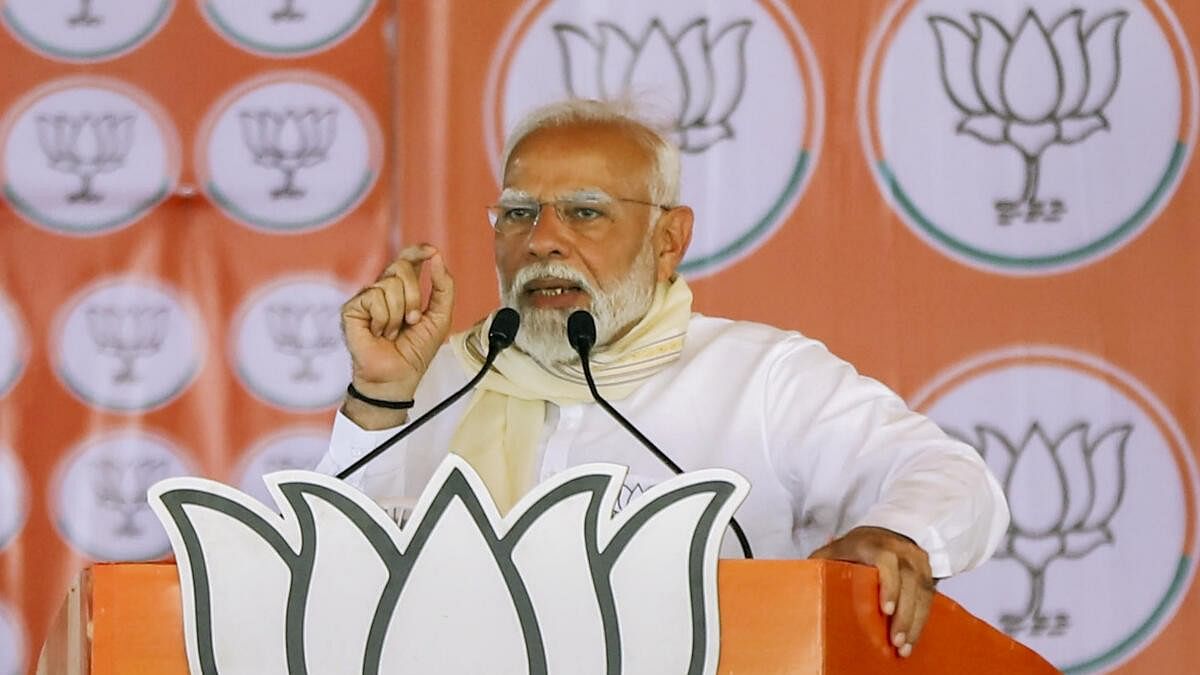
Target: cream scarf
(500, 431)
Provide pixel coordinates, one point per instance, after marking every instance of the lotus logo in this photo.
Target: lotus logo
(552, 587)
(85, 145)
(128, 334)
(121, 486)
(1068, 488)
(1038, 87)
(705, 71)
(288, 141)
(306, 332)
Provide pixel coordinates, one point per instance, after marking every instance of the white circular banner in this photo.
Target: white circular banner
(87, 155)
(99, 495)
(84, 30)
(1087, 457)
(12, 642)
(14, 350)
(289, 152)
(284, 28)
(128, 344)
(287, 344)
(1028, 138)
(299, 448)
(14, 498)
(735, 82)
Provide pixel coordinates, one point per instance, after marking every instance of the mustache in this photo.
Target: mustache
(550, 269)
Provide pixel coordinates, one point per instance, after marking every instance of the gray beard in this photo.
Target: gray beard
(543, 333)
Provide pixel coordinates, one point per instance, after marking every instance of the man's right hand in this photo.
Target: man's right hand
(392, 335)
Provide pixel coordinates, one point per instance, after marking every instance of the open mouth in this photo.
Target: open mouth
(553, 292)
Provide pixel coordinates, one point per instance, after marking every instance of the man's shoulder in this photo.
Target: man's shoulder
(707, 333)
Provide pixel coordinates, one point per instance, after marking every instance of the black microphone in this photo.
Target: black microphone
(501, 334)
(581, 333)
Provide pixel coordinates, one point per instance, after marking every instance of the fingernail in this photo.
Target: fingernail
(414, 316)
(898, 640)
(889, 607)
(906, 651)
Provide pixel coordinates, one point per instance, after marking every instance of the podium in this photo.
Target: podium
(795, 616)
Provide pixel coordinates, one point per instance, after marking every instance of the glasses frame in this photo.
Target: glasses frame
(555, 203)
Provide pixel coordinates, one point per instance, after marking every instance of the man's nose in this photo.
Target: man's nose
(550, 237)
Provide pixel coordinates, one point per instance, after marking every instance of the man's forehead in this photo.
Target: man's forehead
(580, 155)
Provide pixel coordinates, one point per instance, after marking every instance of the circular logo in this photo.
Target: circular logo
(288, 346)
(14, 498)
(99, 498)
(291, 449)
(84, 30)
(12, 642)
(1087, 457)
(285, 27)
(1019, 138)
(289, 152)
(87, 155)
(14, 351)
(128, 345)
(735, 82)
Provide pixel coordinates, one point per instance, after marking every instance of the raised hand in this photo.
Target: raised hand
(393, 334)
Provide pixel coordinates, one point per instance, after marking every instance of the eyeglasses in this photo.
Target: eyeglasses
(578, 214)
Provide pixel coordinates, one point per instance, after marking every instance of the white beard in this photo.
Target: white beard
(543, 333)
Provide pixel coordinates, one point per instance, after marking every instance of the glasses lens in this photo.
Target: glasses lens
(513, 217)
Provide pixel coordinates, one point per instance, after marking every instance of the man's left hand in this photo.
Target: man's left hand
(905, 579)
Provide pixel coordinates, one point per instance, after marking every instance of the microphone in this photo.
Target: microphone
(501, 335)
(581, 333)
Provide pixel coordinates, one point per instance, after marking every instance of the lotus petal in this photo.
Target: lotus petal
(226, 583)
(347, 571)
(124, 135)
(562, 591)
(956, 47)
(1079, 544)
(456, 561)
(581, 61)
(1037, 488)
(251, 130)
(987, 128)
(48, 136)
(991, 46)
(691, 46)
(1067, 36)
(998, 453)
(728, 57)
(617, 54)
(327, 129)
(1103, 44)
(654, 598)
(1032, 139)
(1031, 77)
(658, 69)
(1076, 129)
(1107, 459)
(1070, 448)
(89, 143)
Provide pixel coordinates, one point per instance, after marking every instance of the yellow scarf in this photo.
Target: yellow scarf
(503, 423)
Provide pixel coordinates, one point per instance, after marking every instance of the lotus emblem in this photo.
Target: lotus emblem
(1063, 492)
(701, 71)
(85, 145)
(128, 334)
(1042, 85)
(306, 332)
(555, 586)
(287, 141)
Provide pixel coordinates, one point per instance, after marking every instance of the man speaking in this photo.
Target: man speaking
(589, 218)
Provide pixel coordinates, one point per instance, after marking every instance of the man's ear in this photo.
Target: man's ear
(673, 234)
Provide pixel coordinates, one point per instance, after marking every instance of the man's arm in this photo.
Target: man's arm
(897, 493)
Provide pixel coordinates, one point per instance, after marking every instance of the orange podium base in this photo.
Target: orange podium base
(793, 616)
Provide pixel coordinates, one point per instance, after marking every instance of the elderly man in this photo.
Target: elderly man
(589, 218)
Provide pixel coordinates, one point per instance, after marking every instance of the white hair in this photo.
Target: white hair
(664, 184)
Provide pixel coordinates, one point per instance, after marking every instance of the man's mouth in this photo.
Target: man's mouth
(553, 292)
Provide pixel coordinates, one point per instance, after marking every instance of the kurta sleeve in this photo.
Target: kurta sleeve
(853, 454)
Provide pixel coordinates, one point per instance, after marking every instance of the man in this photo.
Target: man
(589, 218)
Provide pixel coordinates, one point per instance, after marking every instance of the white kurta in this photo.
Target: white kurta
(824, 449)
